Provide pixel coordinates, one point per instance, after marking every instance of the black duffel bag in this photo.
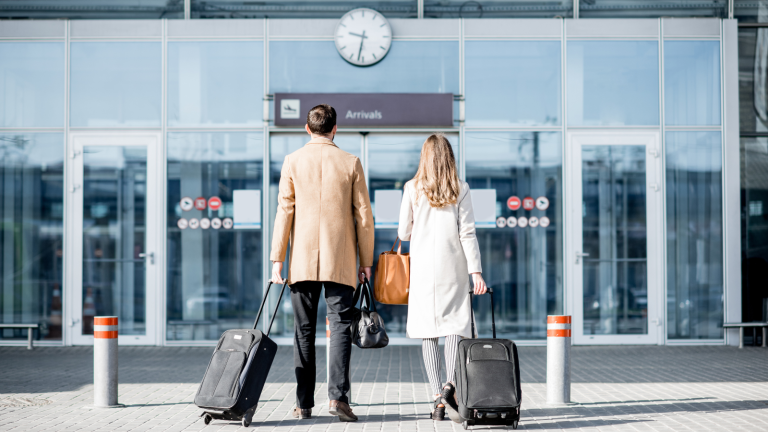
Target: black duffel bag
(367, 326)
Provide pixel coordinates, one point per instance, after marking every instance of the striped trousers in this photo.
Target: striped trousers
(431, 355)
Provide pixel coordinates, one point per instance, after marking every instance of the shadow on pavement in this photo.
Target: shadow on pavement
(54, 369)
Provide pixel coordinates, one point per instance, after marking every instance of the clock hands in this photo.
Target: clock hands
(363, 37)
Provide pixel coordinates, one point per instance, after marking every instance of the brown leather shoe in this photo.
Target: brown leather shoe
(302, 413)
(342, 410)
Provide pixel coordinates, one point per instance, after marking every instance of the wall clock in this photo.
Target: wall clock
(363, 37)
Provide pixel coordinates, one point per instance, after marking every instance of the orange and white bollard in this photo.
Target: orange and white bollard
(105, 362)
(558, 359)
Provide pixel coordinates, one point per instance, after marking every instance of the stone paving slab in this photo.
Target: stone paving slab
(616, 389)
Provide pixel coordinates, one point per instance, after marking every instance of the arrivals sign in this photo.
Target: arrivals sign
(368, 109)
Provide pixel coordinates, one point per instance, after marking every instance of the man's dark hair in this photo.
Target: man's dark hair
(321, 119)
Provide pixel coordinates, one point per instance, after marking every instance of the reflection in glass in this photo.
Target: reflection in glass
(694, 235)
(754, 228)
(512, 83)
(409, 67)
(281, 145)
(32, 84)
(215, 279)
(498, 9)
(652, 8)
(522, 265)
(692, 83)
(299, 8)
(215, 83)
(91, 9)
(614, 226)
(394, 160)
(114, 236)
(115, 83)
(31, 235)
(753, 78)
(613, 83)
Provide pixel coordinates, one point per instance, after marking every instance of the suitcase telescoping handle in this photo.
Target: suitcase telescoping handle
(472, 312)
(261, 308)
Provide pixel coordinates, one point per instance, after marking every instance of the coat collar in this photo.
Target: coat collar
(324, 141)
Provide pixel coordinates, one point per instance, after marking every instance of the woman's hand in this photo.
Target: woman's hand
(479, 283)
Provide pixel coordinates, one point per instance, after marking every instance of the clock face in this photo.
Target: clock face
(363, 37)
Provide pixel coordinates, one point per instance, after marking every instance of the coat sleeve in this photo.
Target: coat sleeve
(467, 233)
(363, 216)
(405, 224)
(286, 205)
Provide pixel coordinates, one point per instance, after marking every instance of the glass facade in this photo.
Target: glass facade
(215, 83)
(753, 149)
(31, 85)
(691, 83)
(524, 266)
(694, 235)
(652, 8)
(498, 9)
(115, 84)
(613, 83)
(409, 67)
(214, 276)
(526, 72)
(517, 98)
(32, 233)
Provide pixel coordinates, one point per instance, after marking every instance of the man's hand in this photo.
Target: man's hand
(277, 268)
(479, 283)
(364, 272)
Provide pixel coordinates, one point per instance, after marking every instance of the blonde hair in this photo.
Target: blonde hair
(437, 177)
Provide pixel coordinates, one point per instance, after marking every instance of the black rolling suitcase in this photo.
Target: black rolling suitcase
(488, 379)
(237, 371)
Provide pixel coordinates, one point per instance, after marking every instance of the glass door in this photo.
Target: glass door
(114, 248)
(614, 217)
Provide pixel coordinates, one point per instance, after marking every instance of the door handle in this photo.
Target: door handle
(150, 255)
(73, 321)
(580, 255)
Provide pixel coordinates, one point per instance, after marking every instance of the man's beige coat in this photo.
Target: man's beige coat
(323, 205)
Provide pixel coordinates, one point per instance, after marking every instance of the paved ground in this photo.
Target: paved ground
(616, 388)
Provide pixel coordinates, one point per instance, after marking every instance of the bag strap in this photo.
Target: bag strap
(399, 244)
(261, 308)
(364, 290)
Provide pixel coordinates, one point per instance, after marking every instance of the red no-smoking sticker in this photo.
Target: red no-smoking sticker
(200, 203)
(529, 203)
(214, 203)
(513, 203)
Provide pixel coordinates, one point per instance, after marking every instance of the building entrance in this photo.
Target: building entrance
(115, 247)
(614, 209)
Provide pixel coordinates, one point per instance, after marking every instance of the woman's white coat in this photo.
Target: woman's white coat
(444, 251)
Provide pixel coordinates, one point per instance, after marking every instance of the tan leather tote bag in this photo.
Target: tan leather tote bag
(393, 276)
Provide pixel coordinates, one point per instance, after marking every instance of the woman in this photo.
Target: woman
(436, 216)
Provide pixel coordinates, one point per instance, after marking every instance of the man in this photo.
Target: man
(323, 206)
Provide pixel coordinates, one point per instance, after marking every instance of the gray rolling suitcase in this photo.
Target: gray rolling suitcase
(237, 372)
(488, 379)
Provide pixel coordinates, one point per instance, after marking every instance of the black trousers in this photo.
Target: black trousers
(305, 296)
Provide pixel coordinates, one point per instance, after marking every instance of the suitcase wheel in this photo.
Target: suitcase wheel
(514, 424)
(467, 424)
(248, 416)
(207, 419)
